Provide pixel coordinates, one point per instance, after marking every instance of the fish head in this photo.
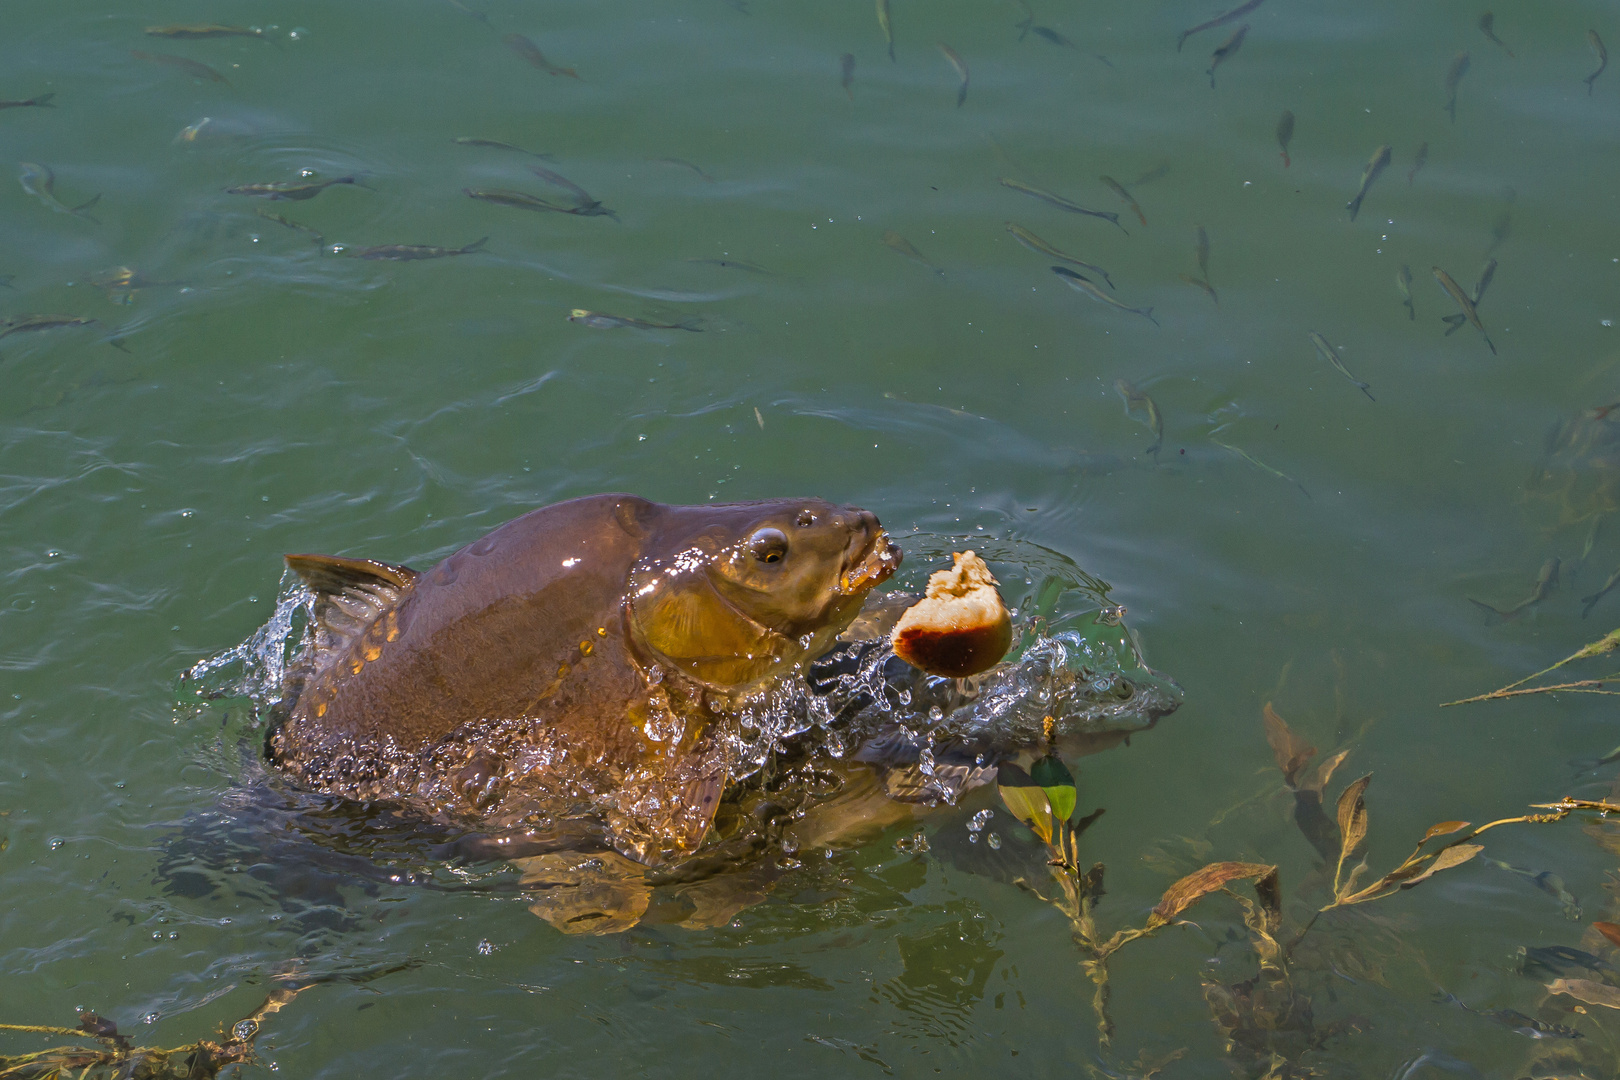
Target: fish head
(735, 594)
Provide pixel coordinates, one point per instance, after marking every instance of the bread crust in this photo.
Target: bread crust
(960, 627)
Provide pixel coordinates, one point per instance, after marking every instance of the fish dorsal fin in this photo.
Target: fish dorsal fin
(350, 594)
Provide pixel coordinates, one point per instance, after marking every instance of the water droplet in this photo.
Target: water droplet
(56, 842)
(980, 820)
(993, 840)
(244, 1030)
(935, 713)
(150, 1018)
(485, 947)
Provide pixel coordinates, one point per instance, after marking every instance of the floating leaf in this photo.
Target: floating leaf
(1291, 751)
(1593, 993)
(1057, 782)
(1448, 857)
(1200, 883)
(1445, 828)
(1608, 930)
(1352, 822)
(1025, 799)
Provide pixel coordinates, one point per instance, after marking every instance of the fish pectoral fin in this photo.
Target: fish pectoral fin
(350, 594)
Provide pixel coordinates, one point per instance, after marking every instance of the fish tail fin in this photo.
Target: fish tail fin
(1354, 206)
(86, 205)
(693, 323)
(44, 100)
(1148, 312)
(1590, 602)
(1182, 40)
(1368, 392)
(1489, 608)
(476, 245)
(1493, 347)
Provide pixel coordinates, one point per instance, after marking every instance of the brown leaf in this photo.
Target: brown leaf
(1291, 751)
(1324, 772)
(1448, 857)
(1353, 815)
(1593, 993)
(1445, 828)
(1608, 930)
(1200, 883)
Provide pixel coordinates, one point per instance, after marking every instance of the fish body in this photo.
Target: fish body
(520, 200)
(290, 190)
(285, 223)
(1514, 1020)
(191, 67)
(1085, 285)
(1136, 399)
(846, 77)
(1454, 74)
(531, 52)
(732, 264)
(1285, 134)
(1331, 355)
(1201, 250)
(43, 101)
(122, 282)
(961, 72)
(40, 182)
(414, 252)
(24, 324)
(1219, 20)
(1228, 48)
(1546, 582)
(1591, 601)
(203, 30)
(496, 144)
(1257, 463)
(580, 196)
(1202, 284)
(1035, 243)
(1418, 161)
(682, 163)
(601, 320)
(1060, 202)
(1596, 42)
(1562, 961)
(585, 657)
(885, 25)
(1469, 312)
(897, 243)
(1119, 189)
(1375, 166)
(1487, 26)
(1403, 282)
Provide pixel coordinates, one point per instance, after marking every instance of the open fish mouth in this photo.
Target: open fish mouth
(882, 559)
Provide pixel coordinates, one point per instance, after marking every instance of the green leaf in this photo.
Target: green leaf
(1025, 799)
(1057, 782)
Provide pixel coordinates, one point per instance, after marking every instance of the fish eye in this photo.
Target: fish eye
(768, 546)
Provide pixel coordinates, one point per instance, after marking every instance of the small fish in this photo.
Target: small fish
(1136, 399)
(413, 252)
(465, 10)
(1119, 189)
(292, 190)
(204, 30)
(1486, 273)
(1231, 46)
(1403, 282)
(531, 52)
(43, 101)
(1257, 463)
(40, 182)
(1546, 582)
(1201, 250)
(519, 200)
(1548, 882)
(1219, 20)
(961, 72)
(732, 264)
(598, 320)
(122, 282)
(1084, 285)
(279, 220)
(1202, 284)
(1035, 243)
(895, 242)
(846, 67)
(585, 204)
(887, 27)
(24, 324)
(496, 144)
(1331, 355)
(1592, 39)
(1515, 1021)
(1591, 602)
(759, 418)
(1380, 159)
(1500, 228)
(1459, 68)
(1060, 202)
(1285, 134)
(1046, 33)
(1487, 26)
(190, 67)
(1562, 961)
(1418, 161)
(1469, 312)
(210, 128)
(1027, 21)
(1158, 172)
(682, 163)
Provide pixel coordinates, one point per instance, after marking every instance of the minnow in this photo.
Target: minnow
(961, 71)
(732, 264)
(1487, 26)
(1136, 399)
(279, 220)
(1201, 250)
(496, 144)
(682, 163)
(1202, 284)
(1219, 20)
(190, 67)
(1459, 68)
(519, 200)
(846, 67)
(1516, 1021)
(1591, 602)
(1119, 189)
(1285, 134)
(1546, 582)
(1158, 172)
(465, 10)
(122, 282)
(1403, 282)
(1592, 39)
(292, 190)
(413, 252)
(40, 182)
(895, 242)
(1469, 312)
(600, 320)
(1035, 243)
(1257, 463)
(43, 101)
(1380, 159)
(23, 324)
(886, 25)
(1231, 46)
(531, 52)
(585, 204)
(1046, 33)
(204, 30)
(1085, 285)
(1418, 161)
(1331, 355)
(1060, 202)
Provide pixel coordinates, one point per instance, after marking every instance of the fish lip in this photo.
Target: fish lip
(880, 560)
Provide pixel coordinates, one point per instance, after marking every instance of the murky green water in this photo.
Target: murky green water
(262, 395)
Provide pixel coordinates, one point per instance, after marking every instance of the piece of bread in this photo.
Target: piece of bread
(961, 627)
